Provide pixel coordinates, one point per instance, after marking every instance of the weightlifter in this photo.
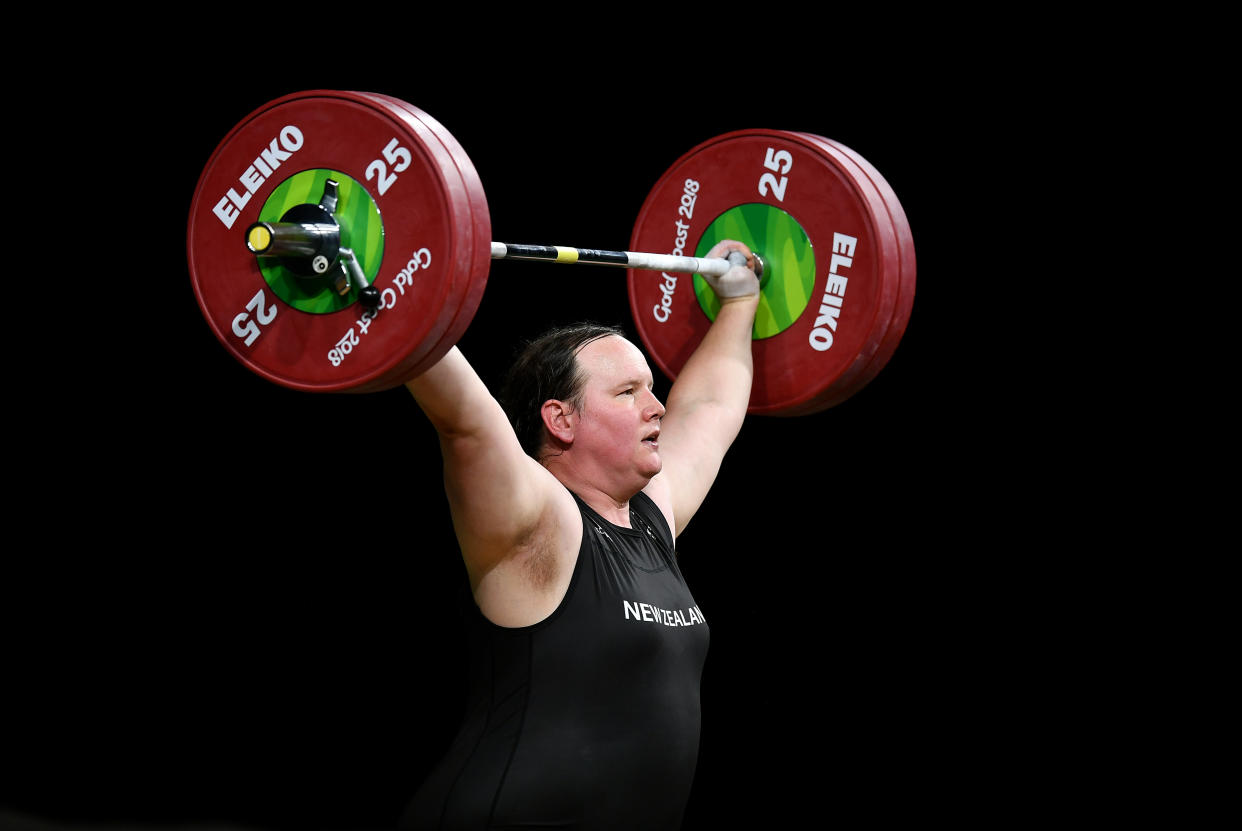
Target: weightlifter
(587, 647)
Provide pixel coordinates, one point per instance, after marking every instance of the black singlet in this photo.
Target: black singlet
(589, 719)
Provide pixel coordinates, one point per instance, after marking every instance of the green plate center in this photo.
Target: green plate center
(362, 231)
(789, 264)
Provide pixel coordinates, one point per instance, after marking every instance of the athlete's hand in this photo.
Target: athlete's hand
(738, 282)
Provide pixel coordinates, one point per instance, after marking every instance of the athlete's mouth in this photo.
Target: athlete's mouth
(653, 439)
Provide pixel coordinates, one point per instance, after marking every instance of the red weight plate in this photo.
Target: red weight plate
(786, 174)
(905, 297)
(860, 373)
(482, 263)
(479, 265)
(344, 350)
(457, 272)
(905, 270)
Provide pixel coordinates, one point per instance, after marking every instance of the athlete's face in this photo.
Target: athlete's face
(619, 423)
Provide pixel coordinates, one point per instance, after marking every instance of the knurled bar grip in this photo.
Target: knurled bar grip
(629, 259)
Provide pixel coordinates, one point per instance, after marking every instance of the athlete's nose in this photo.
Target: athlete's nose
(655, 409)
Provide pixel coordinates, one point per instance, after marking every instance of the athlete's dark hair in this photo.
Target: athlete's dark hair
(547, 368)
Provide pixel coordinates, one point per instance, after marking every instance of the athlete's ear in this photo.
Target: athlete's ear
(559, 420)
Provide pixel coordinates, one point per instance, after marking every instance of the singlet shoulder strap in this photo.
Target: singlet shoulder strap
(646, 509)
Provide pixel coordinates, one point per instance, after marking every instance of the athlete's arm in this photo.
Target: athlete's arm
(707, 403)
(506, 508)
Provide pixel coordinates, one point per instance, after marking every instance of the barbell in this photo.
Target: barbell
(340, 241)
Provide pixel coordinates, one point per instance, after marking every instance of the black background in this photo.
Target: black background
(238, 603)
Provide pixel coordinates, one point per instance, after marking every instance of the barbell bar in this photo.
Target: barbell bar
(313, 248)
(713, 266)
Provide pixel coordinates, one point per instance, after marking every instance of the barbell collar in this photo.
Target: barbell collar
(368, 295)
